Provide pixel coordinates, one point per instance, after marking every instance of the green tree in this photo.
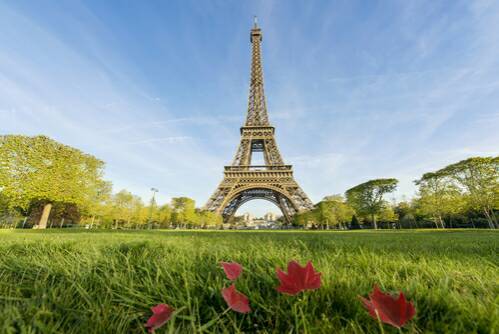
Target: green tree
(405, 213)
(354, 223)
(367, 198)
(479, 177)
(387, 214)
(438, 197)
(41, 169)
(139, 213)
(403, 208)
(121, 207)
(163, 215)
(322, 214)
(299, 219)
(306, 219)
(334, 211)
(209, 218)
(184, 212)
(8, 216)
(97, 202)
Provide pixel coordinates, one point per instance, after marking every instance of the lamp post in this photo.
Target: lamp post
(154, 191)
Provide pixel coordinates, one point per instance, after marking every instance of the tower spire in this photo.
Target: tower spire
(257, 108)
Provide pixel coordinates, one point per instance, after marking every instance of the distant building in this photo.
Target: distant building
(248, 218)
(270, 217)
(248, 221)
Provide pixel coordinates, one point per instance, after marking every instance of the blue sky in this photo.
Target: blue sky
(158, 89)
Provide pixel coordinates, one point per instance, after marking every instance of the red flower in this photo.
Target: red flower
(298, 278)
(236, 300)
(232, 269)
(161, 314)
(390, 310)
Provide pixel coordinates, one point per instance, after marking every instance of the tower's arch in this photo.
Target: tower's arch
(269, 193)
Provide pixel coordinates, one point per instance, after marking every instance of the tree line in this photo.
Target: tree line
(463, 194)
(44, 183)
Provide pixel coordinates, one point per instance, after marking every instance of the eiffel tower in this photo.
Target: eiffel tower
(243, 181)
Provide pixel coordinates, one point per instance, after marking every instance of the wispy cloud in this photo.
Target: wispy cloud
(166, 140)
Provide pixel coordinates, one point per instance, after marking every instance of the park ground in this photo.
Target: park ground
(106, 281)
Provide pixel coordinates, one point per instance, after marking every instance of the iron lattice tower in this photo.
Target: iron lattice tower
(272, 181)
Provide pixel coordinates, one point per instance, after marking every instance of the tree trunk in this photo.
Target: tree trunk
(24, 221)
(441, 221)
(374, 222)
(92, 223)
(489, 218)
(45, 216)
(62, 222)
(493, 217)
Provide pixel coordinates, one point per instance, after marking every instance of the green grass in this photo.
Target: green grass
(106, 281)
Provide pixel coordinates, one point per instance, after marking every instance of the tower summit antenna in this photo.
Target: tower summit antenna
(255, 20)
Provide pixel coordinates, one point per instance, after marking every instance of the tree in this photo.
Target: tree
(121, 207)
(209, 218)
(41, 169)
(354, 223)
(334, 210)
(405, 212)
(184, 212)
(8, 216)
(139, 213)
(299, 219)
(402, 209)
(98, 200)
(322, 213)
(306, 219)
(479, 177)
(438, 196)
(387, 214)
(367, 198)
(163, 215)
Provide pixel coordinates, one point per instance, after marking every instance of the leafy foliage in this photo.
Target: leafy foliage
(438, 197)
(39, 168)
(479, 178)
(37, 171)
(332, 211)
(367, 197)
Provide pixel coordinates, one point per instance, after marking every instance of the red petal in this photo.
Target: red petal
(236, 300)
(390, 310)
(294, 268)
(232, 269)
(161, 314)
(369, 306)
(298, 278)
(287, 286)
(312, 279)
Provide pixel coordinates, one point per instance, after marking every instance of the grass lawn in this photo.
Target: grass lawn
(105, 281)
